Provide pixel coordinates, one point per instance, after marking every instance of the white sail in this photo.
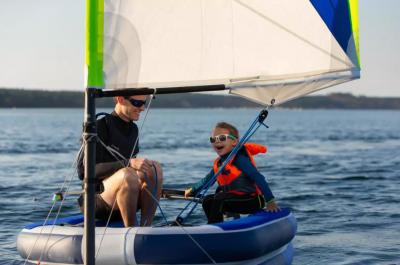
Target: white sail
(264, 50)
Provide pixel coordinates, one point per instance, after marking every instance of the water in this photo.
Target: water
(338, 170)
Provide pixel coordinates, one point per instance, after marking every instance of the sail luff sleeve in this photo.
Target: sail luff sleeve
(94, 43)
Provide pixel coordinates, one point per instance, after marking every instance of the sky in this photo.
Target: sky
(42, 46)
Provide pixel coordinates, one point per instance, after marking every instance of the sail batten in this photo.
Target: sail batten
(177, 43)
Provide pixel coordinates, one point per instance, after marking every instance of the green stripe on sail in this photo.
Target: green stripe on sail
(353, 5)
(94, 42)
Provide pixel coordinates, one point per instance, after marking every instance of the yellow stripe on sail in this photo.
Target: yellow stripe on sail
(353, 4)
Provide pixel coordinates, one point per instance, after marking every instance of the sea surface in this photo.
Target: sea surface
(338, 170)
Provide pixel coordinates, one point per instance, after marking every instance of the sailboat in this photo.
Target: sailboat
(266, 51)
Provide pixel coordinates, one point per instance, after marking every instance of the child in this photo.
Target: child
(241, 187)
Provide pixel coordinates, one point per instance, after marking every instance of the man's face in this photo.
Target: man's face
(133, 106)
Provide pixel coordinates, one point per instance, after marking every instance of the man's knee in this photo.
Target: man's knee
(130, 179)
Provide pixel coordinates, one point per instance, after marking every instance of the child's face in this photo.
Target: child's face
(223, 147)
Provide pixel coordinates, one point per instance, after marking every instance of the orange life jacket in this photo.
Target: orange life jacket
(232, 179)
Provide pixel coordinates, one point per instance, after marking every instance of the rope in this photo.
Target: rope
(125, 165)
(152, 196)
(116, 155)
(201, 193)
(249, 133)
(141, 126)
(51, 210)
(186, 232)
(197, 244)
(154, 191)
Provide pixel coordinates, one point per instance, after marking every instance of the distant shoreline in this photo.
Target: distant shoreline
(19, 98)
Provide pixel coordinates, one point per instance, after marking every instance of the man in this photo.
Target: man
(128, 183)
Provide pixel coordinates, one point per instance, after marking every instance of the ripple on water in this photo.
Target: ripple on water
(337, 170)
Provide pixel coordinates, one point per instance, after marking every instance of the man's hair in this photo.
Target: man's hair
(232, 129)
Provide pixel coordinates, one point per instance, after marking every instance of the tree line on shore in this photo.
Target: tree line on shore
(20, 98)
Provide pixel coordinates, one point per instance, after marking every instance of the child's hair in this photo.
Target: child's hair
(232, 129)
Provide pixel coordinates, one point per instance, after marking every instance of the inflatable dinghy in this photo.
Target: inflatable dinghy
(261, 238)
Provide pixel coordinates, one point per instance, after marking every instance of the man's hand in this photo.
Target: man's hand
(142, 164)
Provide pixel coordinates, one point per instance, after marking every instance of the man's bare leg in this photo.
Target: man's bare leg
(149, 192)
(123, 186)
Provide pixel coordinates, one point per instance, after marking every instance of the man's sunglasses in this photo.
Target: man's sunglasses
(221, 138)
(136, 102)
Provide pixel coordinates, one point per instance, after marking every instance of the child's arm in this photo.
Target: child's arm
(272, 206)
(200, 184)
(244, 164)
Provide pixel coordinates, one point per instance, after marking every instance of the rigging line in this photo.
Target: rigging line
(117, 155)
(154, 191)
(197, 243)
(244, 139)
(212, 180)
(186, 232)
(55, 220)
(142, 125)
(114, 202)
(293, 33)
(249, 133)
(158, 204)
(51, 209)
(63, 199)
(40, 233)
(236, 148)
(126, 165)
(155, 200)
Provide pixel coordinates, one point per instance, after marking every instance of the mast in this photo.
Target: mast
(89, 137)
(93, 82)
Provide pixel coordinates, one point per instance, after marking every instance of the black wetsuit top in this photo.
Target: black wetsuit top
(120, 136)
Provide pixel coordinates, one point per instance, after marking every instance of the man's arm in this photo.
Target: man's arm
(104, 170)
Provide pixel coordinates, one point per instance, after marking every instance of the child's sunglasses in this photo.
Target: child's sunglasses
(136, 102)
(221, 138)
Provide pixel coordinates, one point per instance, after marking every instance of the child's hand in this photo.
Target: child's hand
(272, 207)
(188, 192)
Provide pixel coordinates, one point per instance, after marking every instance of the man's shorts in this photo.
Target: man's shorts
(102, 209)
